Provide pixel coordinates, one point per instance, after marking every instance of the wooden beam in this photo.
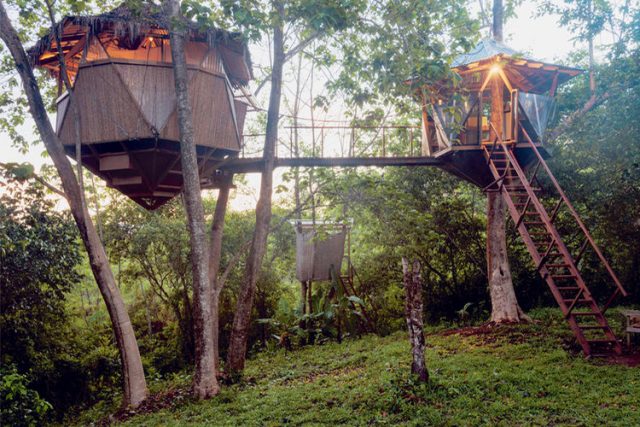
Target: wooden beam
(554, 85)
(426, 147)
(115, 162)
(132, 180)
(163, 194)
(505, 79)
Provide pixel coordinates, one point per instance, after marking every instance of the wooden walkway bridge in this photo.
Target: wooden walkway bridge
(339, 146)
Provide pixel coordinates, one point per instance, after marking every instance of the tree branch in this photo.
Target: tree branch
(287, 56)
(591, 103)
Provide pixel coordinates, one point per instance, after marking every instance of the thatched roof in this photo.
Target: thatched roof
(124, 22)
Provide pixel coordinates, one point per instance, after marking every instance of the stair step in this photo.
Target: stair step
(553, 255)
(519, 193)
(555, 265)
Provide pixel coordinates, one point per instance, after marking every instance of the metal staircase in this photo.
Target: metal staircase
(554, 261)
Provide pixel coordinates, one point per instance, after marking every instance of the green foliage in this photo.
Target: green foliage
(255, 18)
(514, 375)
(584, 18)
(20, 405)
(395, 41)
(334, 316)
(38, 264)
(418, 213)
(597, 161)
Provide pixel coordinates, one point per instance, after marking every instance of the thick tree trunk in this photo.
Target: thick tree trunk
(134, 386)
(215, 253)
(504, 305)
(242, 318)
(205, 383)
(413, 315)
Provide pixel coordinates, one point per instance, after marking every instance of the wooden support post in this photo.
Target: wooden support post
(411, 142)
(303, 297)
(413, 314)
(384, 143)
(425, 143)
(497, 106)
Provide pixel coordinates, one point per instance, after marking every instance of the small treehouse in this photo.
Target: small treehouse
(502, 95)
(490, 131)
(119, 64)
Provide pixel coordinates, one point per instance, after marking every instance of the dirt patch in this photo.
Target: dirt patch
(518, 333)
(491, 332)
(153, 403)
(629, 358)
(334, 373)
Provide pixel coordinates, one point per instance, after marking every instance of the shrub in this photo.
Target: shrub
(19, 405)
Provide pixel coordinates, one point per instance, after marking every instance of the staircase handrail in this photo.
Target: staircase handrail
(574, 213)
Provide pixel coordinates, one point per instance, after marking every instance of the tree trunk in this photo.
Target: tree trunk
(242, 318)
(504, 305)
(134, 384)
(205, 383)
(498, 21)
(215, 253)
(413, 315)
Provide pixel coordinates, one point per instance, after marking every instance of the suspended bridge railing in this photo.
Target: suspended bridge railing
(335, 146)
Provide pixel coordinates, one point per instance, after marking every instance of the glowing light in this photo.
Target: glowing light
(494, 68)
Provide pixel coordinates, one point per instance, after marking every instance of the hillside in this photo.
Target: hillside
(511, 375)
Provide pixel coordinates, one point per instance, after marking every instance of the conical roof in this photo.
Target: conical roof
(485, 49)
(525, 73)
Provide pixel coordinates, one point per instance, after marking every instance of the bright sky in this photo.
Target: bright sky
(539, 36)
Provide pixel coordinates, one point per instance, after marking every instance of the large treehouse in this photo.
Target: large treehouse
(121, 111)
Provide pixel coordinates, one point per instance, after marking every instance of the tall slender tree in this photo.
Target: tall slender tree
(134, 384)
(205, 383)
(314, 20)
(242, 317)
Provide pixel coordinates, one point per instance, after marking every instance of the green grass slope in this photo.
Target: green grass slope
(514, 375)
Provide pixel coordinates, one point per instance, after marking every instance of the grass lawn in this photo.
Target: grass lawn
(516, 375)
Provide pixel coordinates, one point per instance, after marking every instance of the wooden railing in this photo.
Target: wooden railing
(339, 141)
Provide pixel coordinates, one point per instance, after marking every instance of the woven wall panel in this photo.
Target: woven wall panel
(153, 90)
(107, 110)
